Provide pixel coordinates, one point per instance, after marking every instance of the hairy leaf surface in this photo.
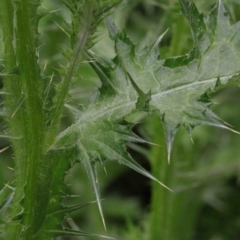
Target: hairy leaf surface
(137, 80)
(177, 85)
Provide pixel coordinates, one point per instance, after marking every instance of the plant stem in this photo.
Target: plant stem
(26, 112)
(78, 52)
(15, 115)
(162, 171)
(169, 217)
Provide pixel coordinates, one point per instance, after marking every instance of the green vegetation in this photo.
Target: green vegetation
(78, 92)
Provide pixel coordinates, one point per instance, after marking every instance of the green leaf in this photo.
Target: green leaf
(138, 80)
(58, 163)
(196, 22)
(91, 171)
(177, 84)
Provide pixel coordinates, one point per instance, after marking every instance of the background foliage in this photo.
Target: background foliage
(206, 205)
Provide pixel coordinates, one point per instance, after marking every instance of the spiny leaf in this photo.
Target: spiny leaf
(100, 66)
(178, 83)
(91, 171)
(56, 211)
(195, 20)
(137, 79)
(102, 140)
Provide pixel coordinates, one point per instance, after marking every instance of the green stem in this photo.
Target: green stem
(78, 52)
(15, 115)
(25, 113)
(11, 80)
(173, 215)
(162, 171)
(31, 87)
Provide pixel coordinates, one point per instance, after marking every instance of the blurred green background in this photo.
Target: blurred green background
(204, 175)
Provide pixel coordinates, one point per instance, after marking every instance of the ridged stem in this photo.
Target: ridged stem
(31, 86)
(25, 112)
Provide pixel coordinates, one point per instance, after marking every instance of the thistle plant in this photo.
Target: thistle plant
(135, 83)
